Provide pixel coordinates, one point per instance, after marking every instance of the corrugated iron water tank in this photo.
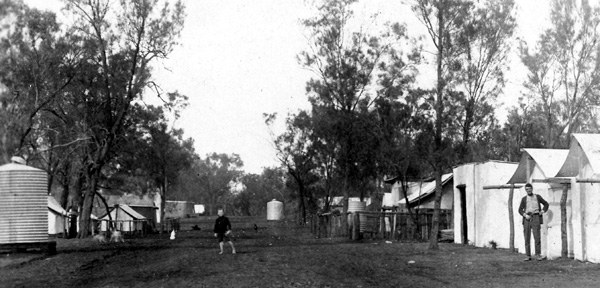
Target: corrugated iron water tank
(274, 210)
(358, 206)
(23, 204)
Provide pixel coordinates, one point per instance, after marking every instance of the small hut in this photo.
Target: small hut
(421, 195)
(478, 213)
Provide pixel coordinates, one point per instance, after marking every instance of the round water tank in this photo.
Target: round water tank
(274, 210)
(23, 204)
(354, 206)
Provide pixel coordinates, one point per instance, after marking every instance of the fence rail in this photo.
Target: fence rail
(385, 225)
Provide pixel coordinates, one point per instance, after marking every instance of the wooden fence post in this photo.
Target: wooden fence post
(355, 226)
(394, 226)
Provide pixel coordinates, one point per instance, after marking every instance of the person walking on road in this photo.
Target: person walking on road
(223, 230)
(531, 210)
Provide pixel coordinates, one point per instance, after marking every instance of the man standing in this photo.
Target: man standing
(223, 230)
(532, 212)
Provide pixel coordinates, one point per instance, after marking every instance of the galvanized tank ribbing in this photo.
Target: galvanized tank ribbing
(23, 204)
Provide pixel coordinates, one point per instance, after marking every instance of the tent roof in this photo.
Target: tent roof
(128, 210)
(418, 191)
(54, 206)
(548, 160)
(582, 146)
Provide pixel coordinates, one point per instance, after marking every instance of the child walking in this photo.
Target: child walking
(223, 231)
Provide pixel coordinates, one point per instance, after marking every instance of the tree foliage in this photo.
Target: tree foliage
(564, 71)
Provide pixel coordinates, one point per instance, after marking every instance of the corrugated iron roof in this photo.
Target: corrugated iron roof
(548, 160)
(418, 191)
(583, 146)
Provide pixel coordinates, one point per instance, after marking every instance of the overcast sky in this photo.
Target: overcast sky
(237, 60)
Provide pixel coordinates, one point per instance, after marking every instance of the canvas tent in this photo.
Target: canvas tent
(582, 167)
(57, 217)
(125, 218)
(147, 211)
(478, 213)
(536, 167)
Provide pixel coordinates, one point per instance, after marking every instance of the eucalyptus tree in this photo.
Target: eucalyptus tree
(485, 38)
(564, 70)
(218, 176)
(296, 153)
(36, 65)
(151, 153)
(120, 42)
(444, 21)
(344, 57)
(259, 189)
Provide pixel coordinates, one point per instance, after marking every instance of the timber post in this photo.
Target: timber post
(511, 218)
(564, 251)
(355, 226)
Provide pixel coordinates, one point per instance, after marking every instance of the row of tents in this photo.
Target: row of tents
(137, 217)
(487, 196)
(484, 198)
(126, 218)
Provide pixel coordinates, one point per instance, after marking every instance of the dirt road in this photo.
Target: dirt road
(282, 255)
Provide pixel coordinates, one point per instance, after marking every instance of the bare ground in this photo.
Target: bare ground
(281, 254)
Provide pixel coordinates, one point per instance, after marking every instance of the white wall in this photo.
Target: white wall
(56, 223)
(487, 210)
(586, 219)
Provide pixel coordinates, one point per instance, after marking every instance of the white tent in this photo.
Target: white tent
(582, 166)
(536, 167)
(57, 217)
(125, 218)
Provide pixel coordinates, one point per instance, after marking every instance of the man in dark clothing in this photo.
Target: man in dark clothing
(223, 230)
(531, 210)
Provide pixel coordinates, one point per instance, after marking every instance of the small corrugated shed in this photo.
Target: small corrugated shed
(23, 204)
(420, 194)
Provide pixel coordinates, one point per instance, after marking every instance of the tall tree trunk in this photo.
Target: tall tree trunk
(301, 206)
(88, 201)
(469, 115)
(433, 237)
